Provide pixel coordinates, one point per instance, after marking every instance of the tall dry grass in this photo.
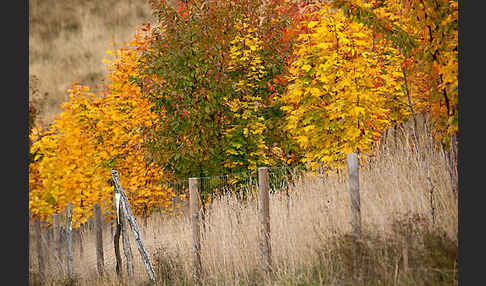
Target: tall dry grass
(68, 40)
(310, 231)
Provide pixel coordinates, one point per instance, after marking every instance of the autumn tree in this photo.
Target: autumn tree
(73, 158)
(212, 69)
(343, 85)
(426, 32)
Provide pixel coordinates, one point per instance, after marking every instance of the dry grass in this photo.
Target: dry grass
(309, 232)
(68, 40)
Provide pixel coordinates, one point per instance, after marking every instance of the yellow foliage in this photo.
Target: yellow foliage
(343, 86)
(92, 135)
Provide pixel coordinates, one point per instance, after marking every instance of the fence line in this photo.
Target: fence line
(266, 181)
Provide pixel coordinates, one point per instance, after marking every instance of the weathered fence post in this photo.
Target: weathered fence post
(40, 251)
(263, 195)
(100, 260)
(111, 228)
(188, 208)
(127, 250)
(353, 172)
(56, 221)
(80, 241)
(48, 233)
(127, 211)
(116, 241)
(69, 239)
(195, 208)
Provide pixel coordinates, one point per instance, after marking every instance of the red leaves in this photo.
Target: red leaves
(146, 28)
(181, 11)
(379, 82)
(270, 87)
(407, 63)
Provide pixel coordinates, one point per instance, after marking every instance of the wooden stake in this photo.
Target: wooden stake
(125, 207)
(195, 208)
(48, 233)
(354, 194)
(127, 250)
(353, 165)
(56, 221)
(69, 238)
(40, 251)
(111, 228)
(266, 249)
(116, 241)
(80, 239)
(100, 260)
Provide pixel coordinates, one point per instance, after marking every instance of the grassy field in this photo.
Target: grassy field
(68, 40)
(410, 233)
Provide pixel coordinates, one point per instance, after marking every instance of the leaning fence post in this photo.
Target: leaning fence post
(266, 249)
(127, 250)
(353, 172)
(100, 261)
(69, 239)
(127, 211)
(195, 208)
(116, 241)
(40, 251)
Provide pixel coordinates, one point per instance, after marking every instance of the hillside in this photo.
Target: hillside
(68, 40)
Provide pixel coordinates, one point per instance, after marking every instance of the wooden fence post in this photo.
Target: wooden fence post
(353, 172)
(125, 207)
(353, 166)
(111, 228)
(48, 233)
(188, 208)
(69, 239)
(263, 198)
(56, 221)
(100, 260)
(40, 251)
(195, 208)
(116, 241)
(127, 250)
(80, 240)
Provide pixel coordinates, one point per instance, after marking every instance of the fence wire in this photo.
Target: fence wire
(244, 184)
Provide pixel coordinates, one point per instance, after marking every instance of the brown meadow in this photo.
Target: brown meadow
(409, 233)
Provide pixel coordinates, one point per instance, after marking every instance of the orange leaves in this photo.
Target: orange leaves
(92, 135)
